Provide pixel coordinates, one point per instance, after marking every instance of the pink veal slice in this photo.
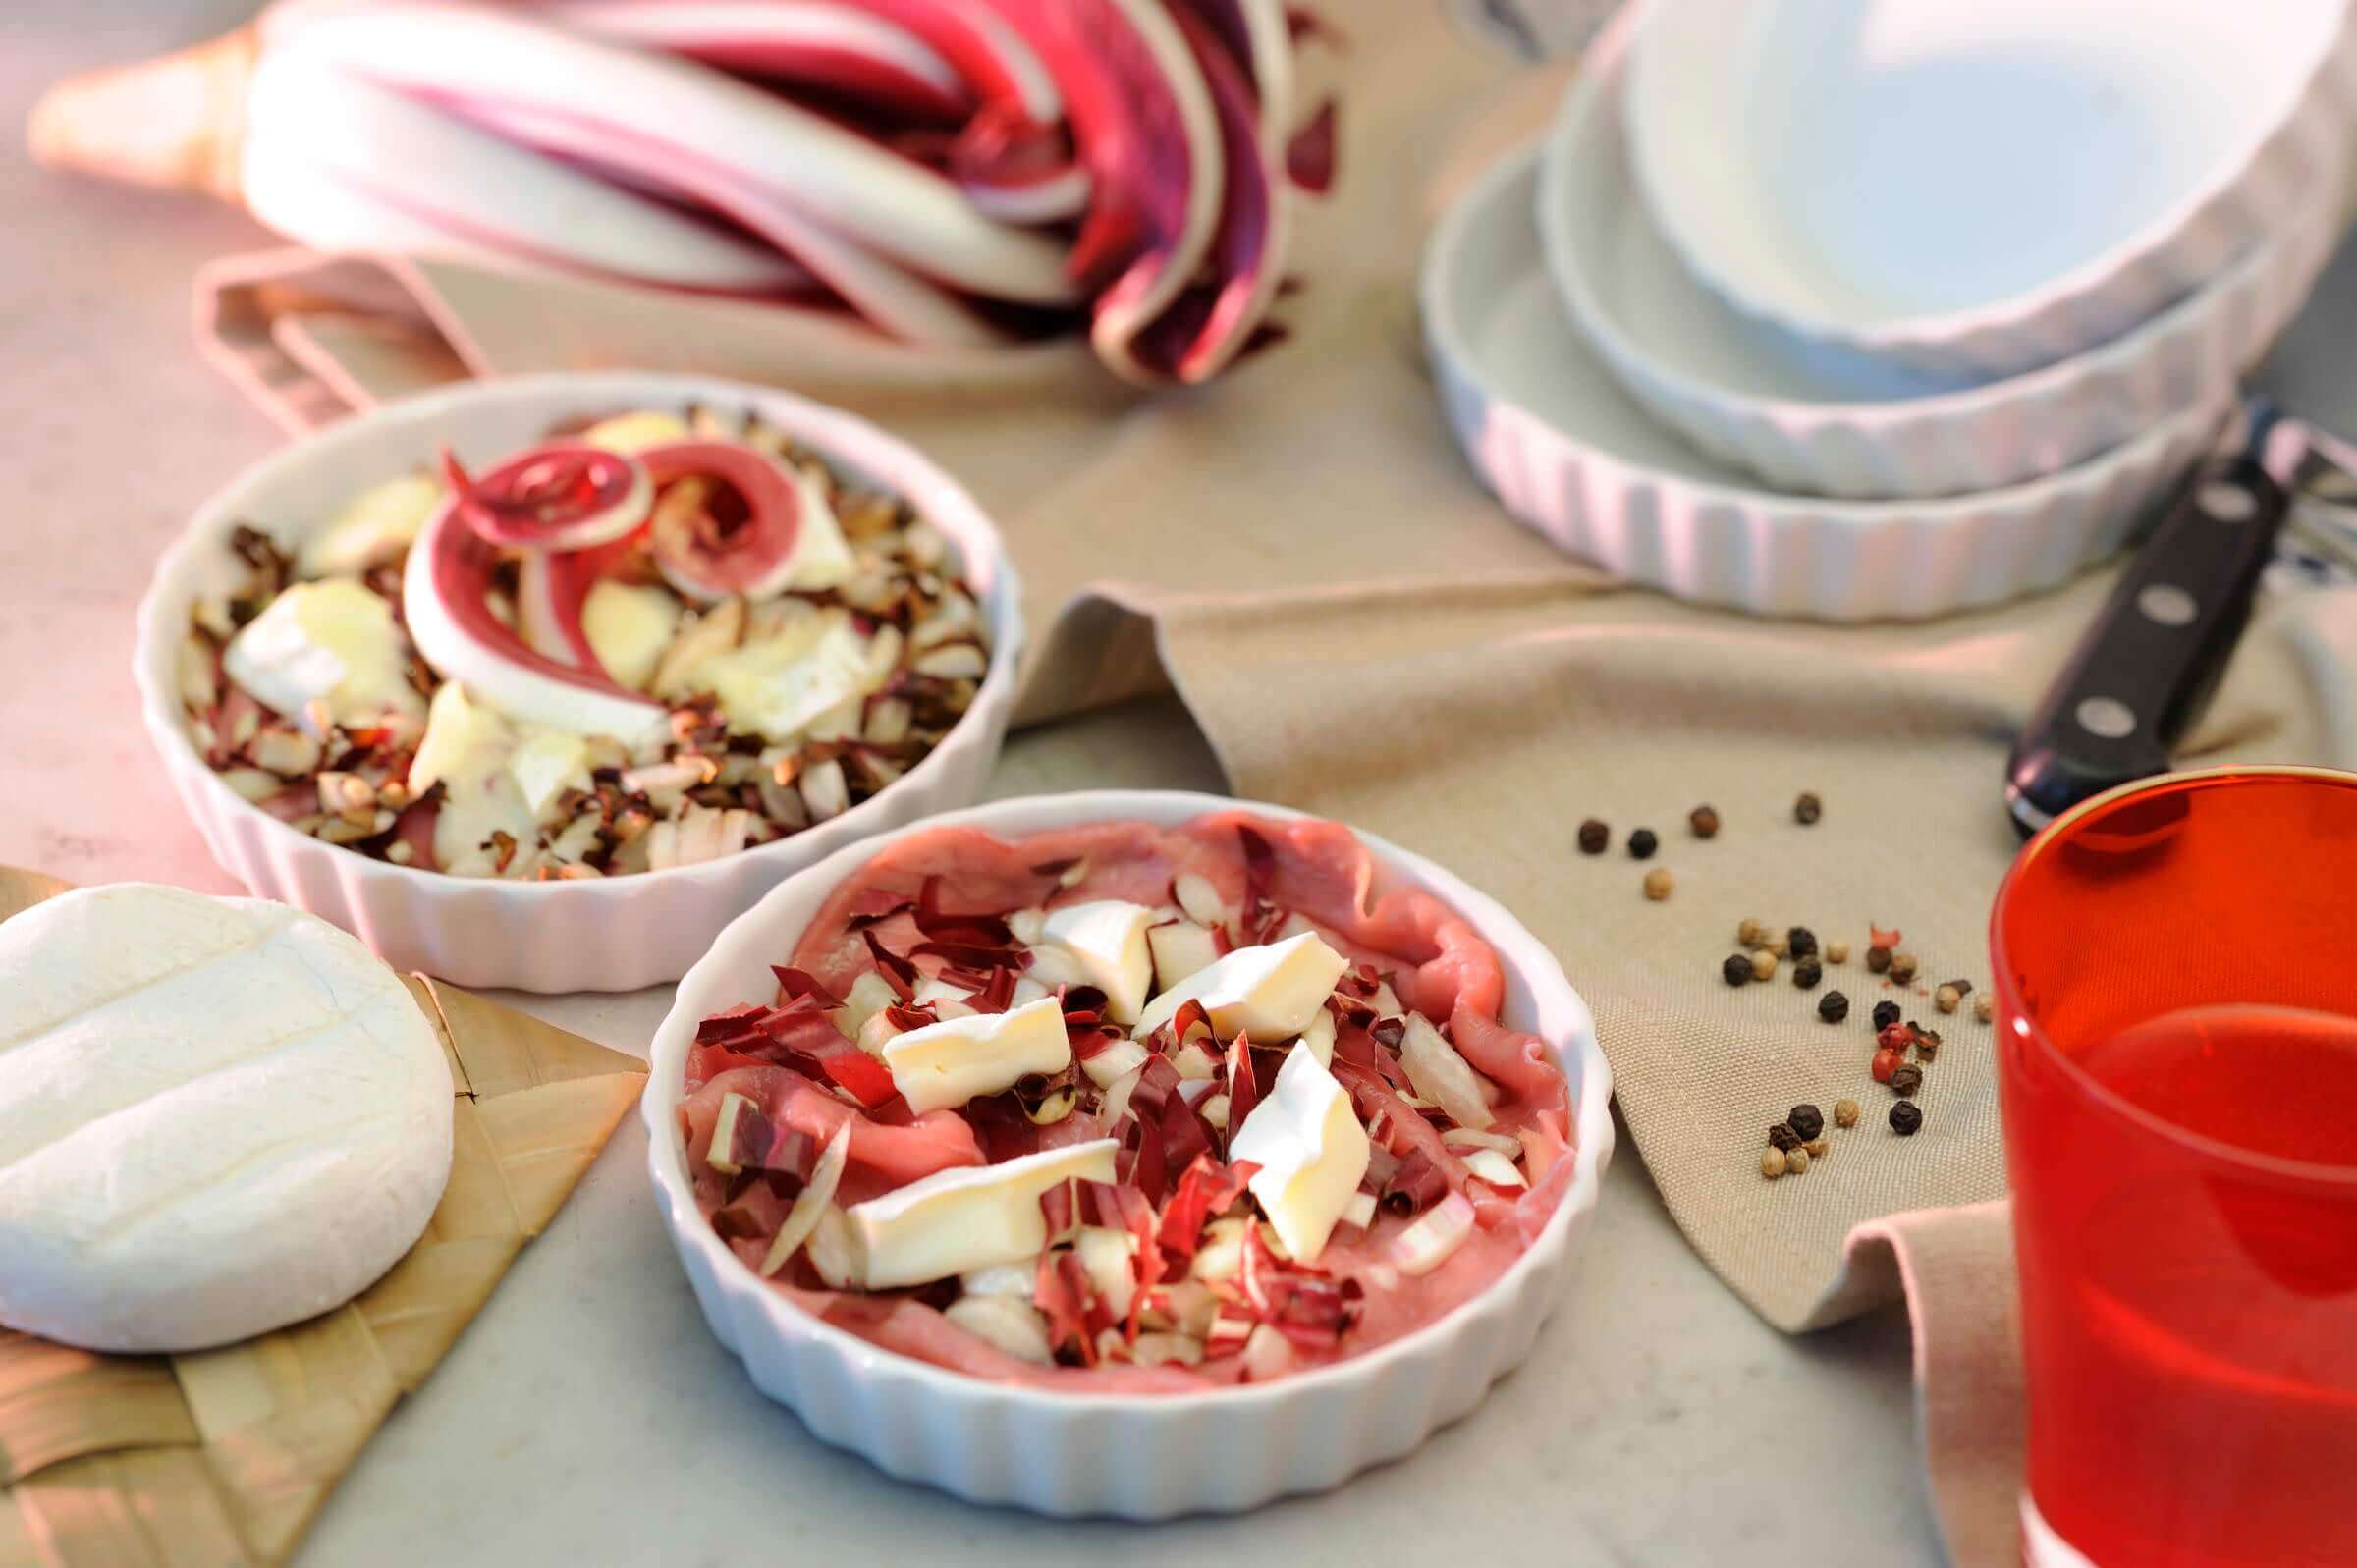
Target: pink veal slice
(1171, 1277)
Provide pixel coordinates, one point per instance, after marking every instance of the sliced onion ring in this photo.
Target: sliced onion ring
(757, 558)
(565, 495)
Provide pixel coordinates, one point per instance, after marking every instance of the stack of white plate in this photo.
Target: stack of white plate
(1870, 308)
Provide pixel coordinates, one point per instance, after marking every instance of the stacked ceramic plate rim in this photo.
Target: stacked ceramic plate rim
(1636, 418)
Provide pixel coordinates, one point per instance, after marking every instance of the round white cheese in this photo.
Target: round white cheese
(217, 1116)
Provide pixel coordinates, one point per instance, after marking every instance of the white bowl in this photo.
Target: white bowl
(1575, 460)
(620, 933)
(1135, 1456)
(1883, 431)
(1977, 186)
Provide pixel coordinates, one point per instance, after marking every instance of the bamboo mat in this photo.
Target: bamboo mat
(219, 1459)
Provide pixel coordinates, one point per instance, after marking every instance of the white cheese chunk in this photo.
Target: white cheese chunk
(1108, 1258)
(462, 738)
(869, 996)
(1495, 1169)
(781, 684)
(545, 764)
(1442, 1076)
(1001, 1279)
(946, 1001)
(822, 557)
(373, 529)
(1181, 949)
(632, 433)
(1116, 1061)
(1311, 1151)
(960, 1221)
(217, 1116)
(1007, 1322)
(629, 628)
(1104, 944)
(1269, 993)
(467, 749)
(945, 1065)
(1318, 1038)
(334, 642)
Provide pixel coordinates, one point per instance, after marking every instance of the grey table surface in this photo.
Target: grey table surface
(587, 1416)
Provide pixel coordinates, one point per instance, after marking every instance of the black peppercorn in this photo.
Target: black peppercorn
(1594, 835)
(1905, 1080)
(1906, 1118)
(1833, 1006)
(1736, 971)
(1878, 959)
(1642, 843)
(1886, 1013)
(1784, 1135)
(1704, 821)
(1806, 974)
(1807, 809)
(1803, 941)
(1807, 1120)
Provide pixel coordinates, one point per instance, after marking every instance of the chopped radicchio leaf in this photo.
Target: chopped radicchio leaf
(1142, 1163)
(1307, 1304)
(1206, 1189)
(1309, 158)
(873, 906)
(1416, 1185)
(1061, 1291)
(897, 971)
(1158, 1105)
(860, 1076)
(1243, 1091)
(738, 1023)
(1059, 1207)
(795, 984)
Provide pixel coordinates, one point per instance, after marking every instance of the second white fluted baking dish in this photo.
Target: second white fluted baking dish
(1129, 1455)
(1977, 186)
(1572, 457)
(614, 934)
(1814, 427)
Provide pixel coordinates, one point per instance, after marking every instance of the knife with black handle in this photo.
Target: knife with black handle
(2146, 668)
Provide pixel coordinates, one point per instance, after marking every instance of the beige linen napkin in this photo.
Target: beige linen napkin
(1361, 631)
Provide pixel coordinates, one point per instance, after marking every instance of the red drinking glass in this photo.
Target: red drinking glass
(2176, 986)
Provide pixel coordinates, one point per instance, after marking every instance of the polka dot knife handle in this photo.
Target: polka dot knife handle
(2141, 676)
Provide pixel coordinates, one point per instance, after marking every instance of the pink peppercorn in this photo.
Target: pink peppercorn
(1886, 1063)
(1896, 1037)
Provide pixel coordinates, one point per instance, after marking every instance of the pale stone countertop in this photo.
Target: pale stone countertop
(587, 1417)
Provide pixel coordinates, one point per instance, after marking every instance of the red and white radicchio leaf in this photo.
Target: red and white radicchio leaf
(841, 49)
(1209, 321)
(1150, 137)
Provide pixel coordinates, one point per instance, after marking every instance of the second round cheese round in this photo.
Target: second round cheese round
(217, 1116)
